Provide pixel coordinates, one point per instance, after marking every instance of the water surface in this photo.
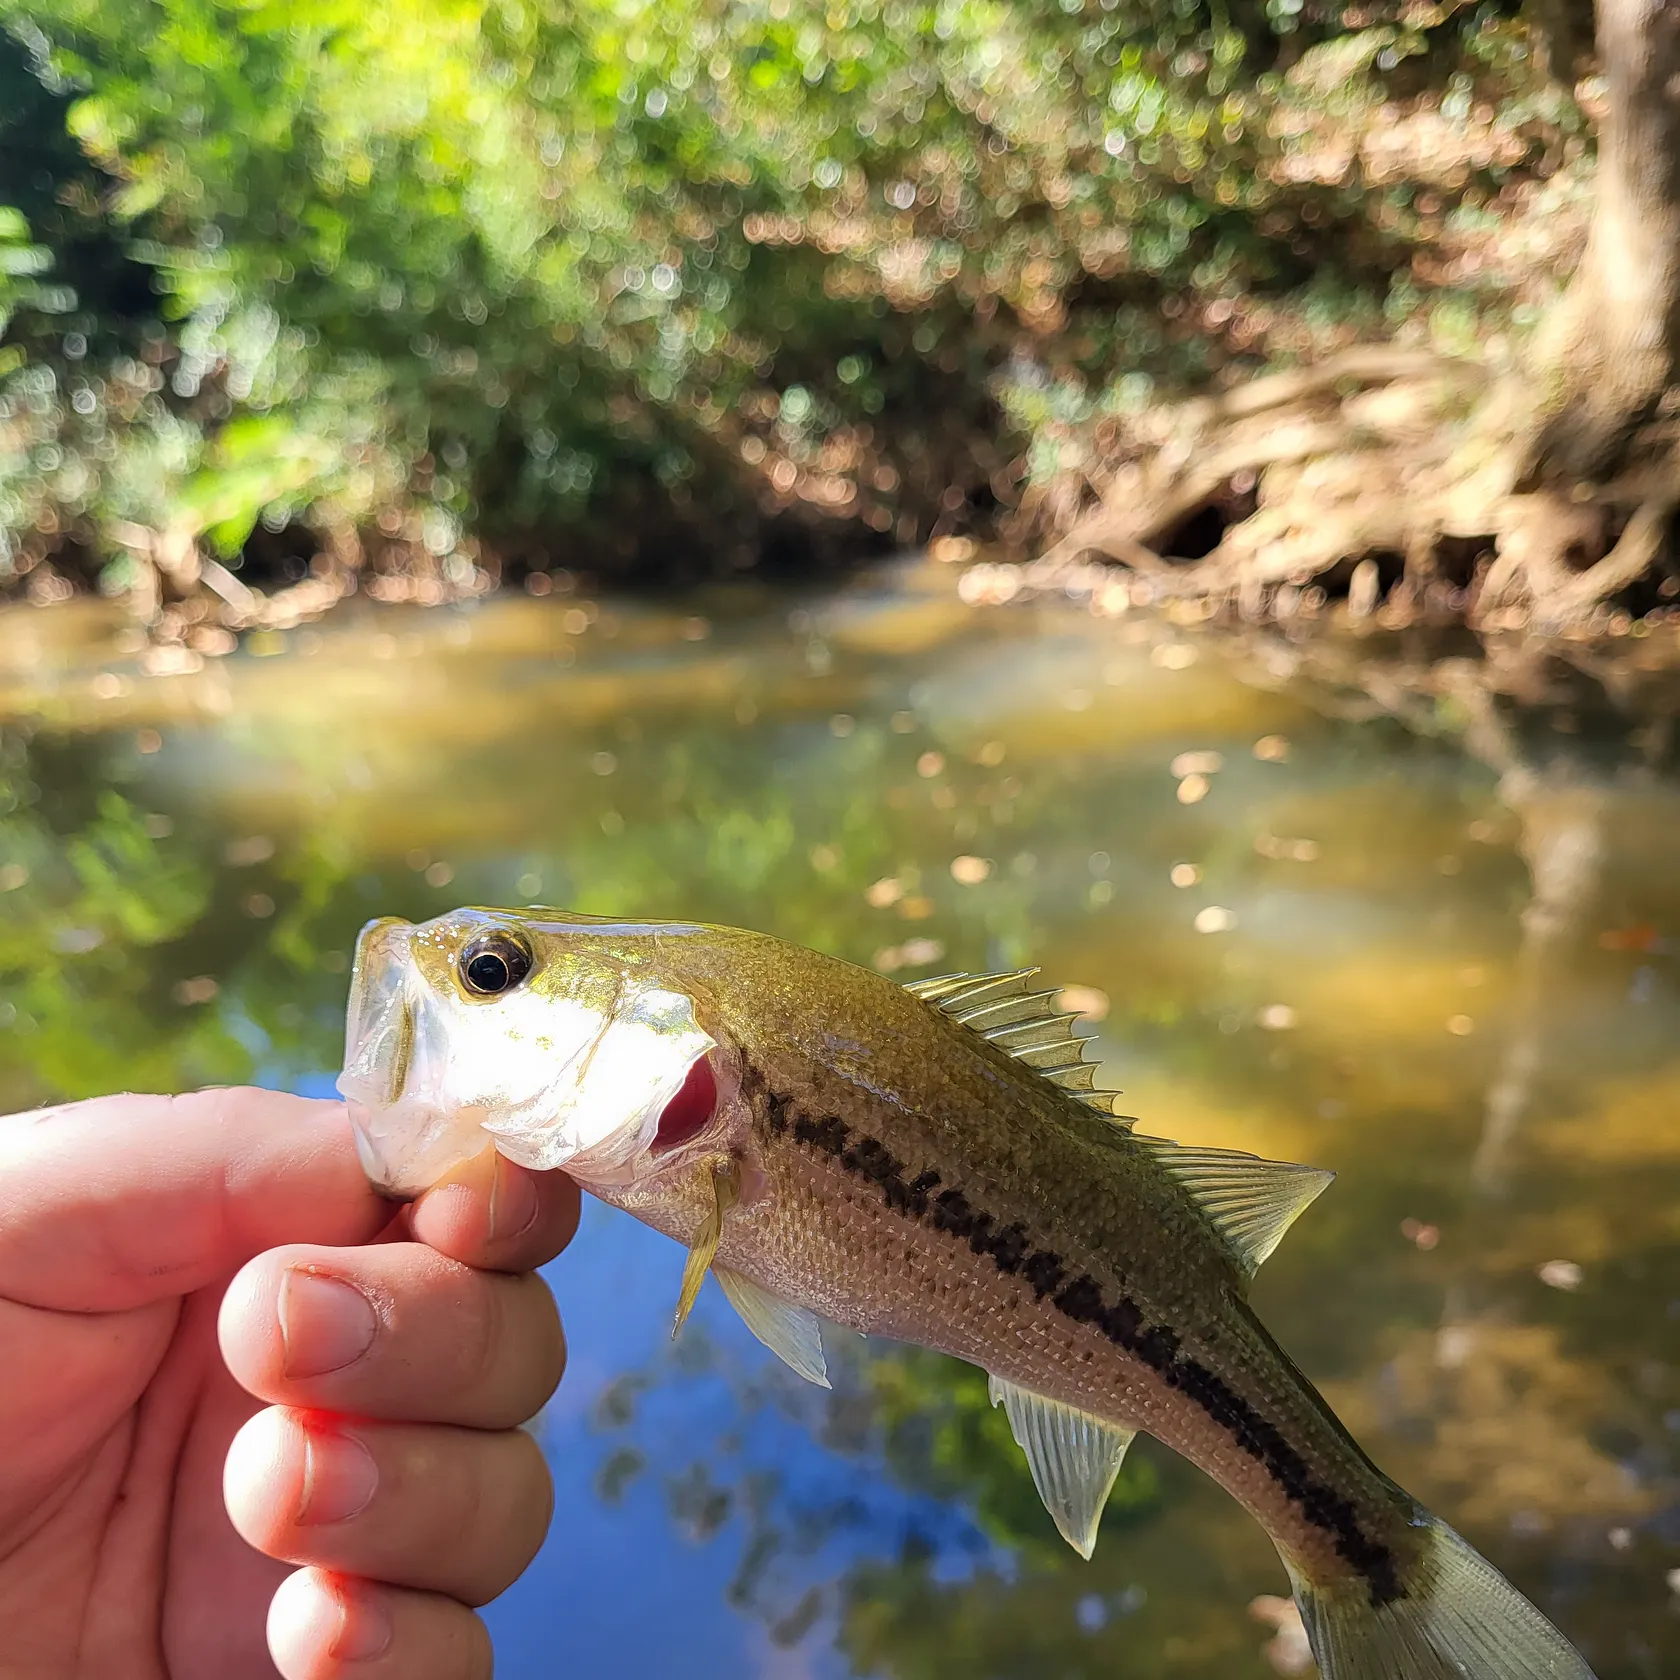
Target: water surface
(1451, 977)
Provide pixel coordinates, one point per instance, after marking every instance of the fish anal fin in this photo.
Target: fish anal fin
(793, 1334)
(704, 1244)
(1251, 1202)
(1074, 1458)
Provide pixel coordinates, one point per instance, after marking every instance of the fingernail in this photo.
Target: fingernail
(324, 1323)
(339, 1478)
(513, 1201)
(364, 1629)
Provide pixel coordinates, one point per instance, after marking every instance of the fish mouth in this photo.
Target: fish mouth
(579, 1079)
(404, 1139)
(379, 1022)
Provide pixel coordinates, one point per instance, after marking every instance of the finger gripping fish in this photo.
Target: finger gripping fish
(930, 1163)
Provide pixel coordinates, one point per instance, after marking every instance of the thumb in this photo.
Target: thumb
(111, 1203)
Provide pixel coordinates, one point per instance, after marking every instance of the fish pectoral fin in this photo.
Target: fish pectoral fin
(703, 1248)
(1251, 1202)
(792, 1333)
(1074, 1458)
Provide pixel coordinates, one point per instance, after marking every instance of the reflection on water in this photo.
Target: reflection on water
(1444, 966)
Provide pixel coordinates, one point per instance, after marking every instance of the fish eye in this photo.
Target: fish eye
(494, 963)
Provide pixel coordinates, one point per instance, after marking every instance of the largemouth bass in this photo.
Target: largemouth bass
(930, 1163)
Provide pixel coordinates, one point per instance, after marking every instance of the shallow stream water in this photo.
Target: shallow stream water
(1455, 979)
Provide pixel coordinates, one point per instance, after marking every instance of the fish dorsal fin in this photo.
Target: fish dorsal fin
(1250, 1201)
(1073, 1456)
(792, 1333)
(1005, 1010)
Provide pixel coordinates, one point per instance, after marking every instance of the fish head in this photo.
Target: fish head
(534, 1030)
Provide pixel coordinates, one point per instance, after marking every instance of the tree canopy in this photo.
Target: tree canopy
(450, 289)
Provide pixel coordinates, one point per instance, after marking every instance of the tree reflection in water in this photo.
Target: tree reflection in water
(1439, 966)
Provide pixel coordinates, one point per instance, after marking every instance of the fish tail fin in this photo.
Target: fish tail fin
(1456, 1618)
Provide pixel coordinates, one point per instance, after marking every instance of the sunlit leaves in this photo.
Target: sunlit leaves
(578, 244)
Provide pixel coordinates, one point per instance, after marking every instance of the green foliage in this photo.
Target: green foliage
(517, 270)
(21, 264)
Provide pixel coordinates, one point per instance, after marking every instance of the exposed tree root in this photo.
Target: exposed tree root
(188, 601)
(1385, 479)
(1538, 499)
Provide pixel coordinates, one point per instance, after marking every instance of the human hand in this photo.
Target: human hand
(384, 1458)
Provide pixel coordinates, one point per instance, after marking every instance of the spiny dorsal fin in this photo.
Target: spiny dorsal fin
(1250, 1201)
(1005, 1010)
(1073, 1456)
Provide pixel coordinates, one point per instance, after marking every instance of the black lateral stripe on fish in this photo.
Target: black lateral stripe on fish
(1081, 1299)
(931, 1163)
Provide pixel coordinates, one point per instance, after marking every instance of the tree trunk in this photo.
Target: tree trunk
(1613, 350)
(1560, 32)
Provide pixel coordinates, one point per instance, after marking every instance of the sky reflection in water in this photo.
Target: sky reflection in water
(1354, 968)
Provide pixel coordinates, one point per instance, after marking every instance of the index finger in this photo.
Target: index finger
(114, 1202)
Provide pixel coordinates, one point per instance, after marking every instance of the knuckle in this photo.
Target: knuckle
(512, 1517)
(478, 1658)
(547, 1341)
(515, 1354)
(483, 1347)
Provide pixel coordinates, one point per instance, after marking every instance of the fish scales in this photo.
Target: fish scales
(833, 1145)
(908, 1199)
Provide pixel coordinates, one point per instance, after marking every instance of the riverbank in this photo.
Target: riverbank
(1615, 684)
(1406, 631)
(1294, 307)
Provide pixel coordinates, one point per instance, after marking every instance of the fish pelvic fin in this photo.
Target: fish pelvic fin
(1073, 1456)
(1249, 1201)
(703, 1248)
(1456, 1618)
(793, 1334)
(1006, 1010)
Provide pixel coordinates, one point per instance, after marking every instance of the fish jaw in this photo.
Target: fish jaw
(573, 1069)
(406, 1140)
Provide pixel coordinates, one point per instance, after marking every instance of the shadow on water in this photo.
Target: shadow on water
(1439, 958)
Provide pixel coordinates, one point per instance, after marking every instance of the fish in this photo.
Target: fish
(933, 1163)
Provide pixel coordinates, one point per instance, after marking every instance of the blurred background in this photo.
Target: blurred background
(301, 297)
(582, 454)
